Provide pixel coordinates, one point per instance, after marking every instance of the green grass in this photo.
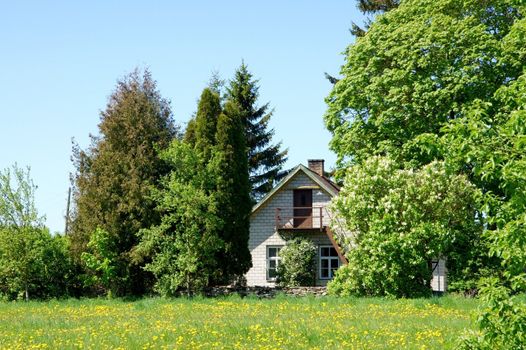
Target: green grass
(235, 323)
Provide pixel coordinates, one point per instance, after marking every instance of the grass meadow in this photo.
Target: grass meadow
(236, 323)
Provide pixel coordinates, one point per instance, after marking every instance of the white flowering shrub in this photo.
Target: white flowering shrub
(400, 221)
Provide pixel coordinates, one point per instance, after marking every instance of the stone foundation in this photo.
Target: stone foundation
(266, 292)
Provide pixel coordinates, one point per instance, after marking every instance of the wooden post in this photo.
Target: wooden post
(66, 229)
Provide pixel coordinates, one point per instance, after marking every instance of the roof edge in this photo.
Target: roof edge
(313, 176)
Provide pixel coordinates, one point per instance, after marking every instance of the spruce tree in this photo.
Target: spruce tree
(114, 175)
(265, 160)
(375, 6)
(233, 193)
(372, 7)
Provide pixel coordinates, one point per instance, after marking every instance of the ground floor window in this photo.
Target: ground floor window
(329, 262)
(273, 260)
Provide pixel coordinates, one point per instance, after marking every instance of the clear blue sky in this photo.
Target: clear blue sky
(59, 62)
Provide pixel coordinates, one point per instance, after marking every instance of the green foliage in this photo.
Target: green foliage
(344, 283)
(500, 160)
(444, 79)
(502, 320)
(233, 193)
(265, 160)
(419, 67)
(183, 247)
(189, 133)
(33, 263)
(298, 263)
(368, 6)
(400, 221)
(372, 7)
(101, 261)
(113, 177)
(17, 199)
(208, 111)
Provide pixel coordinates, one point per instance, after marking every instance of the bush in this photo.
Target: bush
(298, 263)
(343, 282)
(400, 221)
(502, 321)
(33, 264)
(102, 263)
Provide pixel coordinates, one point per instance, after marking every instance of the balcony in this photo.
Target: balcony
(300, 218)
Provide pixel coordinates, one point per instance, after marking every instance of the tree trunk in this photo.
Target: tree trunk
(26, 292)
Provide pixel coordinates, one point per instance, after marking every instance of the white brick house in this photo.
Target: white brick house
(298, 205)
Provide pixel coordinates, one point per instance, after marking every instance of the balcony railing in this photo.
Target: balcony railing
(300, 218)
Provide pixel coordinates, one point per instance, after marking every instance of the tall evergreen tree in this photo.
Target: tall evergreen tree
(113, 177)
(189, 133)
(233, 193)
(265, 160)
(205, 122)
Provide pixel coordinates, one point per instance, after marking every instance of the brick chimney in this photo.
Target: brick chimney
(316, 165)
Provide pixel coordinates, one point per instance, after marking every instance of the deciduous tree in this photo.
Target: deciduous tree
(419, 67)
(184, 246)
(33, 263)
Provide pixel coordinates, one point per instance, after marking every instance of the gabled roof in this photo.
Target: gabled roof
(322, 181)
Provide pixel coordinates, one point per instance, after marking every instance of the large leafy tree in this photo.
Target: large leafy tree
(418, 67)
(33, 263)
(233, 192)
(184, 245)
(491, 144)
(265, 159)
(114, 175)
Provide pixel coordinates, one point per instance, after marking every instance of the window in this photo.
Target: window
(273, 260)
(329, 262)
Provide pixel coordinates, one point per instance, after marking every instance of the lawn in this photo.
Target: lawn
(235, 323)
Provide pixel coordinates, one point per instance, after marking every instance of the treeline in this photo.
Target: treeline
(428, 122)
(156, 209)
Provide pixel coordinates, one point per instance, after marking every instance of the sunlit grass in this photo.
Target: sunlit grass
(235, 323)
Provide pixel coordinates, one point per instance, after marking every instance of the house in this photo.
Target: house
(298, 206)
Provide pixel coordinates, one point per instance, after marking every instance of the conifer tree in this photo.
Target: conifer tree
(375, 6)
(265, 160)
(372, 7)
(114, 175)
(233, 193)
(189, 134)
(204, 130)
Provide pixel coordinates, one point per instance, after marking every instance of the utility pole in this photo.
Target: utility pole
(67, 212)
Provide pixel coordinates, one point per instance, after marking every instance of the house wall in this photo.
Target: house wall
(439, 277)
(263, 231)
